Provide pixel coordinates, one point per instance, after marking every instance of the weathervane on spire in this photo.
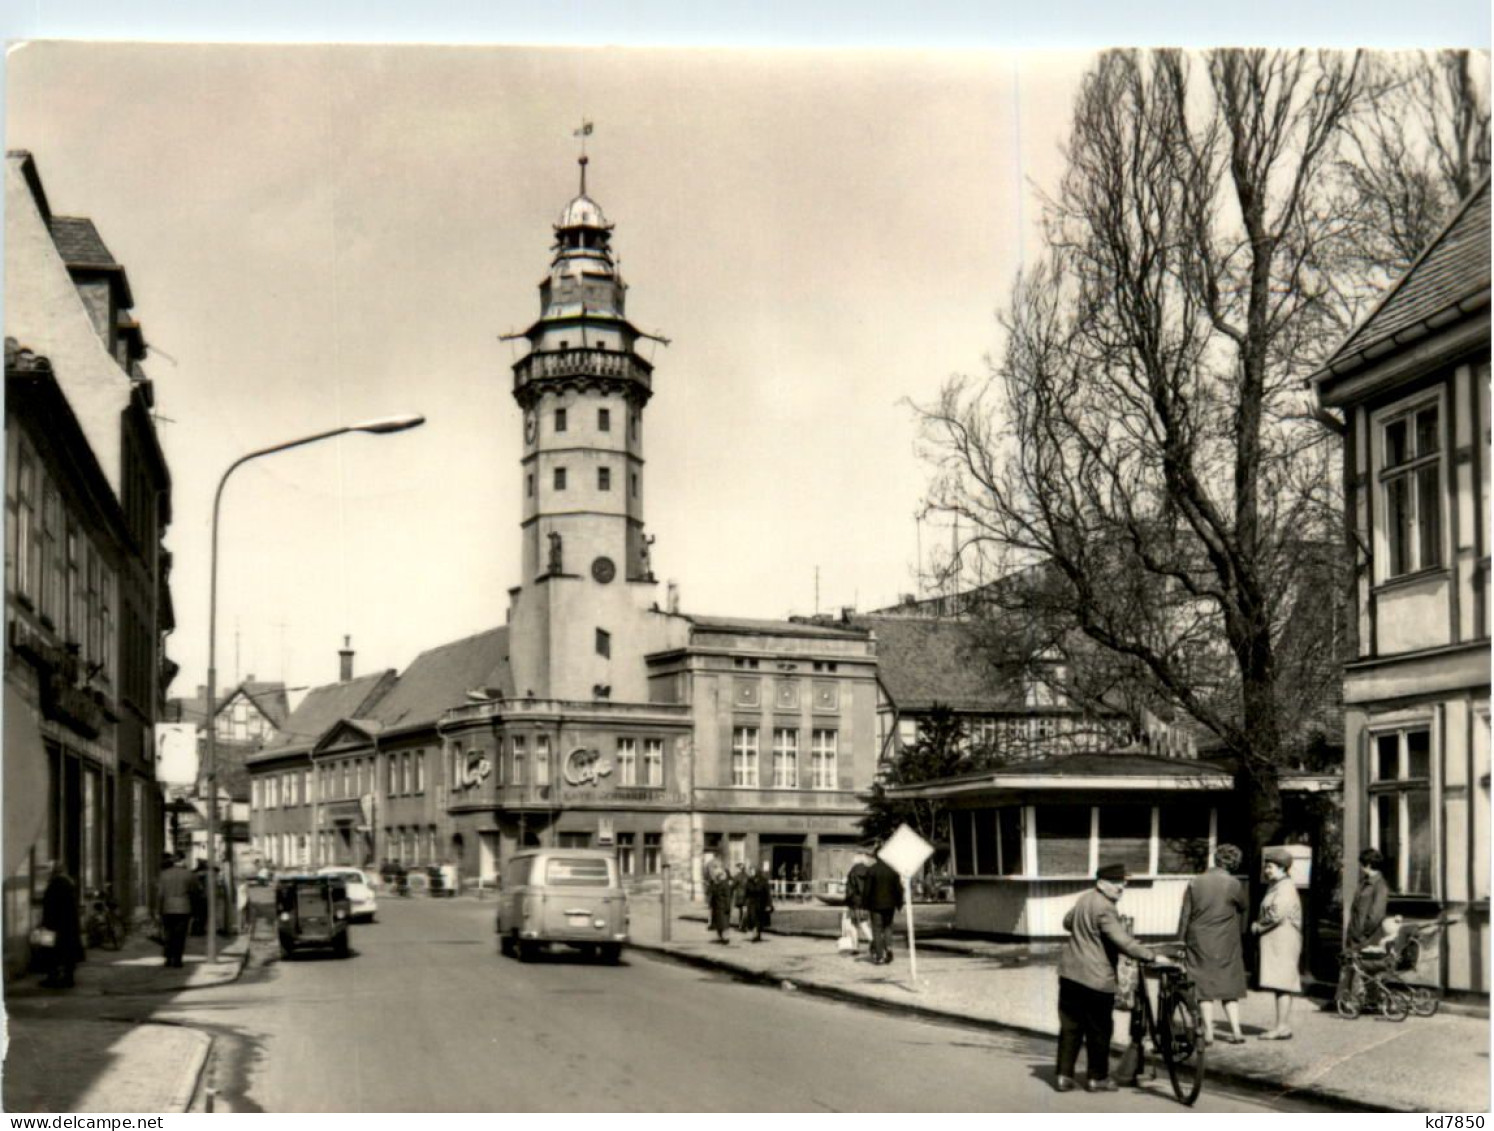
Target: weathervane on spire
(583, 133)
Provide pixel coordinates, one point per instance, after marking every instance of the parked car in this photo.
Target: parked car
(311, 911)
(562, 895)
(360, 892)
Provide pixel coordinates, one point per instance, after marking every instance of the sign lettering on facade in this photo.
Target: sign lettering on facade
(586, 767)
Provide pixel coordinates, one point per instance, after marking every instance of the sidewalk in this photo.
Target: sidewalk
(65, 1054)
(1421, 1064)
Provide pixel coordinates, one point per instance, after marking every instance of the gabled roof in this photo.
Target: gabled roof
(358, 730)
(323, 708)
(267, 697)
(441, 677)
(1449, 280)
(922, 661)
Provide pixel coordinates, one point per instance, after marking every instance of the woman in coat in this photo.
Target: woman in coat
(1280, 929)
(1214, 912)
(759, 904)
(60, 915)
(719, 895)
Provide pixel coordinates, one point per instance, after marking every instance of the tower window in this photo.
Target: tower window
(560, 416)
(633, 483)
(529, 484)
(604, 479)
(560, 479)
(604, 643)
(633, 425)
(604, 420)
(565, 345)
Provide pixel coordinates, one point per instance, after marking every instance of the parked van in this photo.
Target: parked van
(562, 895)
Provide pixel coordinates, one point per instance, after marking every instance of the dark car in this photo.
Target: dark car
(312, 911)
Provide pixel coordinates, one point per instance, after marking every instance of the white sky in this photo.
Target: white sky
(319, 235)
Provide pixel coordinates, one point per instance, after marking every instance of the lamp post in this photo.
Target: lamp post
(377, 427)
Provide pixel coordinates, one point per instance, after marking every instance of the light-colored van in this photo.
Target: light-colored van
(562, 895)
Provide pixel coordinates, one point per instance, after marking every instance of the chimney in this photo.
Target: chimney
(672, 598)
(346, 656)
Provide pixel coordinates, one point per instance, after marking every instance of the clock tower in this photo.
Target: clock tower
(584, 613)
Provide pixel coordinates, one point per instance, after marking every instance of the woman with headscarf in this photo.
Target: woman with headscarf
(1214, 912)
(1280, 929)
(719, 897)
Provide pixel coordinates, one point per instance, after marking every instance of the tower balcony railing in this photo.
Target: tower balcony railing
(545, 364)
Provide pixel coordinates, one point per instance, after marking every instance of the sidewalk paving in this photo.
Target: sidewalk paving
(57, 1060)
(1421, 1064)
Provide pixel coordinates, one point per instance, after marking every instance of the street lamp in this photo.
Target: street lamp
(381, 426)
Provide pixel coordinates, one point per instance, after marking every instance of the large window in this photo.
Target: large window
(625, 862)
(1401, 806)
(1063, 836)
(1126, 836)
(1182, 839)
(519, 752)
(653, 761)
(1411, 485)
(627, 761)
(785, 758)
(744, 756)
(822, 753)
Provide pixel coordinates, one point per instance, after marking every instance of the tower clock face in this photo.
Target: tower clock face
(529, 427)
(603, 570)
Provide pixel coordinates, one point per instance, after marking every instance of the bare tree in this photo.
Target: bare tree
(1146, 436)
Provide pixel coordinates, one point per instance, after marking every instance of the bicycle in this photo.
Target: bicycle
(1174, 1027)
(104, 926)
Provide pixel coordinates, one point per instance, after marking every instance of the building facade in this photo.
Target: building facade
(87, 597)
(599, 714)
(1412, 382)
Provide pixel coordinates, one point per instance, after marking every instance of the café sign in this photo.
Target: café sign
(585, 767)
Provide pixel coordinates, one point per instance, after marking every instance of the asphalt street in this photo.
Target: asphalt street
(426, 1016)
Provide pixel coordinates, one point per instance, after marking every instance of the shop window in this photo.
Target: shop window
(1063, 836)
(652, 850)
(1411, 486)
(1126, 837)
(987, 855)
(962, 838)
(744, 757)
(1183, 839)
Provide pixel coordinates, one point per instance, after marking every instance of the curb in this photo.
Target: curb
(235, 962)
(184, 1096)
(1239, 1080)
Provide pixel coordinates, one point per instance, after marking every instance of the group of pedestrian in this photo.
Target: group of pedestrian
(742, 900)
(1214, 922)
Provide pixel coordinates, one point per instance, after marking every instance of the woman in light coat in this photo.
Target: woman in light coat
(1280, 929)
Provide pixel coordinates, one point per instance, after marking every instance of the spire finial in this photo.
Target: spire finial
(583, 133)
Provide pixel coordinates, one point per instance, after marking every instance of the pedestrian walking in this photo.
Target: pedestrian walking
(176, 892)
(1279, 926)
(759, 906)
(881, 898)
(1214, 914)
(60, 916)
(1086, 979)
(856, 898)
(739, 896)
(718, 897)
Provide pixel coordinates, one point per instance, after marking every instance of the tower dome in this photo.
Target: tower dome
(582, 212)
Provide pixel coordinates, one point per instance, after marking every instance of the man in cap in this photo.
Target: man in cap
(1086, 979)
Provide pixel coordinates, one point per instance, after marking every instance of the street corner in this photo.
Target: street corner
(111, 1066)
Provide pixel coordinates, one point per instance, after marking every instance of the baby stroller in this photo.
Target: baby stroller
(1376, 975)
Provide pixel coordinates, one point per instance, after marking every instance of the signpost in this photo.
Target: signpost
(905, 852)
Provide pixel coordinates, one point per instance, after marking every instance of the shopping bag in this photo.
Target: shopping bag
(43, 938)
(863, 930)
(846, 944)
(1127, 974)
